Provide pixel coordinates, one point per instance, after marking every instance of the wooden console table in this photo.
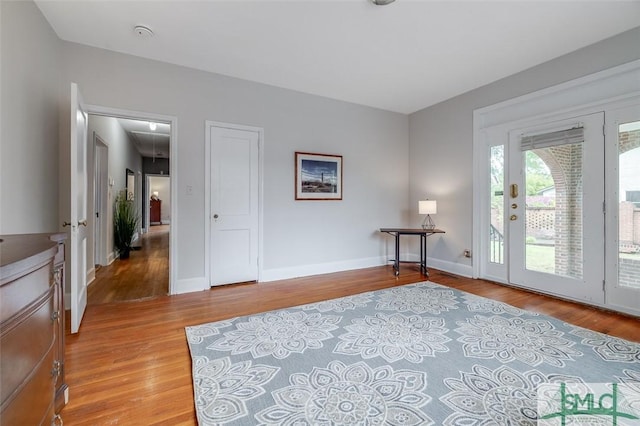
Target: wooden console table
(423, 233)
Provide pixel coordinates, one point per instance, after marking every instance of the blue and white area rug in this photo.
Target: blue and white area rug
(420, 354)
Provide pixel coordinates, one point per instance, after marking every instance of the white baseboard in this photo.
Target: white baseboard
(91, 275)
(111, 257)
(188, 285)
(320, 268)
(451, 267)
(442, 265)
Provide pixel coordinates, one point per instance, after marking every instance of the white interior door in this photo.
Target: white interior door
(554, 208)
(78, 221)
(623, 209)
(234, 206)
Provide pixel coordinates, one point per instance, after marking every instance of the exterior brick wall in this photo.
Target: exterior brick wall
(565, 165)
(629, 272)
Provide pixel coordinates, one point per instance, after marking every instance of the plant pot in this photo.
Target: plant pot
(124, 253)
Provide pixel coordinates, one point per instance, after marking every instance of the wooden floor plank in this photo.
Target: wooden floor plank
(130, 363)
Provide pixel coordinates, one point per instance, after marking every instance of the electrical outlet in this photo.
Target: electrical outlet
(467, 253)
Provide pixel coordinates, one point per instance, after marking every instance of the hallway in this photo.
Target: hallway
(144, 275)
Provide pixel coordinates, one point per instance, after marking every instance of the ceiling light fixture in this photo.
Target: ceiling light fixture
(142, 31)
(152, 126)
(382, 2)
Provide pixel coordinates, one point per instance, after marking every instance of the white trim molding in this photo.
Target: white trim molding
(276, 274)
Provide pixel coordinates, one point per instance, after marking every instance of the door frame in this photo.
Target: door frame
(147, 200)
(173, 172)
(602, 91)
(207, 193)
(101, 200)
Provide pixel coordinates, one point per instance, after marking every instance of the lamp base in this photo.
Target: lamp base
(428, 223)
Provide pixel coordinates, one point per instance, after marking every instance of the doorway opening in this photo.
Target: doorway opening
(127, 150)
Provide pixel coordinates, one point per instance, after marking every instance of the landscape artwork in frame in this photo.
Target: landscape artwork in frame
(318, 176)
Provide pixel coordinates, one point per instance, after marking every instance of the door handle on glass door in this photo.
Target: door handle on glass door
(514, 190)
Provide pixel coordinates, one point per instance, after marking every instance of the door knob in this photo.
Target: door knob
(65, 224)
(215, 216)
(513, 217)
(82, 222)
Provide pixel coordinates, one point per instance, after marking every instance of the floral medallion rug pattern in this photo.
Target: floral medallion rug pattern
(420, 354)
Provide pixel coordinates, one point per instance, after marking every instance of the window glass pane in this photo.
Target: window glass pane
(496, 231)
(553, 210)
(629, 207)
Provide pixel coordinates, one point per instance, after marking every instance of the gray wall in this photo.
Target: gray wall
(379, 188)
(122, 156)
(374, 144)
(29, 99)
(441, 140)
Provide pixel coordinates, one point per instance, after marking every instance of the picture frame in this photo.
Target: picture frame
(318, 176)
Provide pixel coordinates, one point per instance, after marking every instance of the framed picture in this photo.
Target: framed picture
(318, 176)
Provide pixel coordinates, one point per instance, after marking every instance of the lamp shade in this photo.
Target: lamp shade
(427, 207)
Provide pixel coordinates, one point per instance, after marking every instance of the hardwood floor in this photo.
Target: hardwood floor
(130, 363)
(145, 274)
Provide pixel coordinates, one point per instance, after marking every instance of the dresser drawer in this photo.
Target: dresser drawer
(33, 403)
(26, 340)
(16, 295)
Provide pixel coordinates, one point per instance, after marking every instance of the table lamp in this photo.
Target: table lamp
(428, 207)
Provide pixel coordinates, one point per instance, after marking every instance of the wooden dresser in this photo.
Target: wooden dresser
(155, 212)
(32, 384)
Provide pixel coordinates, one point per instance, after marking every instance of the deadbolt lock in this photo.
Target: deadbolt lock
(514, 206)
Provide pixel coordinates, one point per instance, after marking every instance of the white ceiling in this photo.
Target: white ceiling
(401, 57)
(149, 143)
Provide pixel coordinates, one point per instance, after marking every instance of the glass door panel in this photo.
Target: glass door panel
(553, 209)
(623, 209)
(629, 205)
(496, 195)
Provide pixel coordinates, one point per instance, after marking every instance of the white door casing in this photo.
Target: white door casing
(78, 220)
(234, 203)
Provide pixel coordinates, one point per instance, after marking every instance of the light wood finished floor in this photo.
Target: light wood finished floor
(144, 274)
(130, 363)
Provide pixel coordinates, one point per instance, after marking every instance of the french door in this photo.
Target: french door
(554, 208)
(623, 209)
(545, 207)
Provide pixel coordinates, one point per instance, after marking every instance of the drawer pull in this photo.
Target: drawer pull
(57, 420)
(56, 370)
(55, 316)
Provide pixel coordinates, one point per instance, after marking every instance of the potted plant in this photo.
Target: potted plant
(125, 224)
